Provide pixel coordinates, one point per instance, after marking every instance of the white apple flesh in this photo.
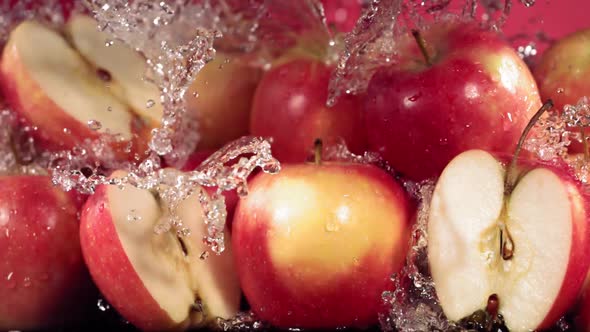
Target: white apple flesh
(529, 245)
(156, 281)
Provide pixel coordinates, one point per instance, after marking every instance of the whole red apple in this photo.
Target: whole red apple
(467, 89)
(45, 282)
(316, 245)
(221, 99)
(290, 106)
(562, 73)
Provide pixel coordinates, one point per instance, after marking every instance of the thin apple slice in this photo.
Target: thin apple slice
(125, 66)
(42, 74)
(155, 280)
(543, 219)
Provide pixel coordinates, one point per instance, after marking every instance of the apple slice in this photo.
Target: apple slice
(125, 67)
(156, 281)
(528, 243)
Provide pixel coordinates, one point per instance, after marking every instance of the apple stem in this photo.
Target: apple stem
(511, 173)
(317, 148)
(585, 144)
(422, 45)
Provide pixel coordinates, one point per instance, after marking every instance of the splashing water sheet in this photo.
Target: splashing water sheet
(178, 37)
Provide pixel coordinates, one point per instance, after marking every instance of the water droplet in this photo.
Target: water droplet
(196, 94)
(109, 109)
(102, 305)
(67, 131)
(109, 43)
(94, 125)
(27, 282)
(9, 276)
(150, 103)
(560, 90)
(332, 226)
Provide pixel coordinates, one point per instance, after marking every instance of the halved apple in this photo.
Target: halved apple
(64, 90)
(156, 281)
(527, 243)
(126, 67)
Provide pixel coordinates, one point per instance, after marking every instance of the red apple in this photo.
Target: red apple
(77, 88)
(44, 280)
(221, 99)
(470, 90)
(527, 240)
(156, 281)
(562, 71)
(290, 106)
(316, 245)
(343, 14)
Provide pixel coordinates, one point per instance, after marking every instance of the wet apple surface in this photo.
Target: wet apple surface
(292, 165)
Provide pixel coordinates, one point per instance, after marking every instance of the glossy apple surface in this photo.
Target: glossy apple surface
(45, 282)
(290, 106)
(221, 100)
(315, 246)
(343, 14)
(476, 93)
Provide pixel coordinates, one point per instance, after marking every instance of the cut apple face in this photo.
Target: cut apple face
(64, 88)
(189, 288)
(528, 246)
(126, 68)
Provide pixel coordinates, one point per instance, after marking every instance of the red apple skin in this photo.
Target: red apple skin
(290, 106)
(225, 89)
(565, 66)
(45, 281)
(37, 110)
(112, 271)
(297, 272)
(477, 94)
(562, 73)
(343, 14)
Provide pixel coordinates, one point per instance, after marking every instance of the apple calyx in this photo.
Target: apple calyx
(422, 45)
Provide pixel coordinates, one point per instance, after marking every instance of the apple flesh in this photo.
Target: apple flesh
(55, 89)
(156, 281)
(529, 246)
(316, 245)
(290, 106)
(221, 99)
(45, 282)
(476, 93)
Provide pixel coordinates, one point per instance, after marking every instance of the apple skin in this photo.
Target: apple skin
(225, 88)
(45, 281)
(290, 106)
(562, 73)
(112, 271)
(477, 94)
(565, 66)
(343, 14)
(299, 265)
